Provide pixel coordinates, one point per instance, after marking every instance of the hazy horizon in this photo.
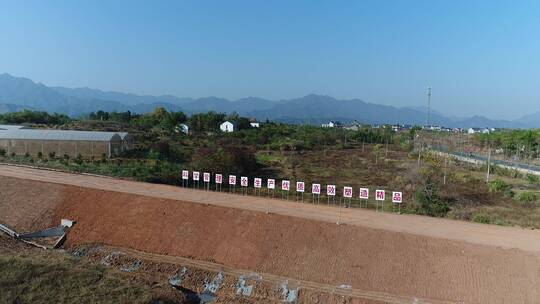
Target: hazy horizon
(480, 57)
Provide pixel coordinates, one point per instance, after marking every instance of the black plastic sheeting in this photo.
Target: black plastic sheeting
(50, 232)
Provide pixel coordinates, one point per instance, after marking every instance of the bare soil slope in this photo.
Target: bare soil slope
(306, 249)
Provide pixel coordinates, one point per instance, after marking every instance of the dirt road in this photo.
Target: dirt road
(504, 237)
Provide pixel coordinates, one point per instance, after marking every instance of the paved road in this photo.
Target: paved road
(480, 158)
(505, 237)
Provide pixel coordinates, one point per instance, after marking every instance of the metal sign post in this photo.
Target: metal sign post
(218, 180)
(331, 192)
(196, 176)
(316, 191)
(257, 184)
(379, 197)
(271, 185)
(285, 187)
(244, 183)
(347, 193)
(364, 196)
(206, 180)
(185, 178)
(300, 188)
(232, 182)
(397, 198)
(339, 214)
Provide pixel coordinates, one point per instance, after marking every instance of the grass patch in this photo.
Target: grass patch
(57, 279)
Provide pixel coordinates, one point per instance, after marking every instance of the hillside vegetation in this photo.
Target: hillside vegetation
(377, 158)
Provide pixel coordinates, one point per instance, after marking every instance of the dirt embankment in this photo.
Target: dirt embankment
(322, 252)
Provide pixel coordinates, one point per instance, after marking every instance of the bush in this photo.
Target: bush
(509, 193)
(40, 155)
(498, 186)
(527, 197)
(52, 155)
(2, 152)
(482, 218)
(430, 203)
(532, 179)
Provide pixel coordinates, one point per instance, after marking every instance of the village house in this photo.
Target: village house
(227, 127)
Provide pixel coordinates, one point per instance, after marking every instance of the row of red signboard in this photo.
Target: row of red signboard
(380, 195)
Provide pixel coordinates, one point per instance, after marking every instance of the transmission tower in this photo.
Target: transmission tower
(428, 122)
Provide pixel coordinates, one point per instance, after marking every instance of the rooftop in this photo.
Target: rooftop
(33, 134)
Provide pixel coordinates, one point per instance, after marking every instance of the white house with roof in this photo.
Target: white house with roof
(331, 124)
(227, 126)
(254, 124)
(183, 128)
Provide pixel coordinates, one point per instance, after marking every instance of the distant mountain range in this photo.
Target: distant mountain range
(22, 93)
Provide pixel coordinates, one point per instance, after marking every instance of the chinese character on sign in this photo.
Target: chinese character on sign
(219, 178)
(347, 192)
(271, 183)
(397, 197)
(364, 193)
(206, 177)
(257, 182)
(379, 195)
(285, 185)
(300, 186)
(196, 175)
(232, 179)
(185, 174)
(244, 181)
(331, 190)
(316, 188)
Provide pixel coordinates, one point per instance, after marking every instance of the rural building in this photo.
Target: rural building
(61, 142)
(227, 126)
(254, 124)
(331, 124)
(478, 130)
(183, 128)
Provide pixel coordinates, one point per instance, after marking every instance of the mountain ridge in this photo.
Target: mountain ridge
(20, 93)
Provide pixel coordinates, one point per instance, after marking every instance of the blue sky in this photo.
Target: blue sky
(480, 57)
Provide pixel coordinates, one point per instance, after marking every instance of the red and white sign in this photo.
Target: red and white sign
(206, 177)
(185, 174)
(257, 182)
(331, 190)
(219, 178)
(300, 186)
(316, 188)
(196, 175)
(244, 181)
(271, 183)
(285, 185)
(364, 193)
(232, 179)
(379, 195)
(397, 197)
(347, 192)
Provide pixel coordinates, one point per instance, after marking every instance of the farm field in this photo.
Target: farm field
(377, 256)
